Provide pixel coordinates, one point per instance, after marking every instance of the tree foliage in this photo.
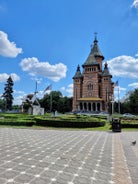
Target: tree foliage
(56, 102)
(131, 103)
(2, 104)
(7, 95)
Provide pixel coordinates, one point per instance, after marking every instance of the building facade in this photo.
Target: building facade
(93, 88)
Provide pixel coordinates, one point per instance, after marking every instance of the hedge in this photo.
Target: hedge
(17, 123)
(67, 123)
(71, 121)
(128, 125)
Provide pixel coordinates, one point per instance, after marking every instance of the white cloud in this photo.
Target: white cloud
(5, 76)
(119, 89)
(38, 80)
(7, 48)
(136, 55)
(118, 92)
(17, 100)
(62, 88)
(133, 85)
(68, 90)
(18, 97)
(14, 77)
(19, 92)
(135, 4)
(124, 66)
(45, 69)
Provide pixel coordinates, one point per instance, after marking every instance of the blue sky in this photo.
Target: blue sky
(45, 40)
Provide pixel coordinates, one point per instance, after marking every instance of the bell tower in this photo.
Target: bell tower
(77, 90)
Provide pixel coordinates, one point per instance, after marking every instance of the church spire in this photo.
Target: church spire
(95, 48)
(95, 52)
(106, 70)
(78, 73)
(95, 39)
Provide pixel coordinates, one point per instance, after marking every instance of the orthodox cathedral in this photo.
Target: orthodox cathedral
(93, 87)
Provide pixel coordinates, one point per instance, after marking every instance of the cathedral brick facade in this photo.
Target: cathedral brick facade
(93, 87)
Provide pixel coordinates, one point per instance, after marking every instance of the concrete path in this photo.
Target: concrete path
(67, 157)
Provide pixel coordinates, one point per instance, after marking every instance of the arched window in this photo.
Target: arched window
(98, 106)
(89, 106)
(81, 106)
(85, 106)
(94, 107)
(90, 86)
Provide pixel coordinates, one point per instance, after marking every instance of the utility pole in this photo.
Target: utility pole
(51, 101)
(118, 101)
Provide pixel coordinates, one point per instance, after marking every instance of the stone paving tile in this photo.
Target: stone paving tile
(65, 176)
(85, 173)
(24, 178)
(49, 173)
(8, 174)
(40, 180)
(67, 157)
(56, 167)
(2, 181)
(8, 164)
(82, 180)
(70, 169)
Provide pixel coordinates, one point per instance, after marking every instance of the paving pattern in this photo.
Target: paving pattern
(67, 157)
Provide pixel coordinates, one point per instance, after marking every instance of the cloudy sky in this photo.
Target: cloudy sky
(45, 40)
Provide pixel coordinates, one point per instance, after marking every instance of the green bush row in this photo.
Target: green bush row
(71, 124)
(128, 125)
(17, 123)
(16, 120)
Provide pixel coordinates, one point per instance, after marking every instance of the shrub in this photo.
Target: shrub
(17, 123)
(72, 121)
(127, 123)
(16, 120)
(69, 123)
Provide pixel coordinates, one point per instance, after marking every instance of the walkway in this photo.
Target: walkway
(67, 157)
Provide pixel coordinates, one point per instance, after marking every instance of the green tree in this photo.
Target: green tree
(7, 95)
(2, 104)
(65, 104)
(51, 101)
(131, 102)
(45, 102)
(56, 102)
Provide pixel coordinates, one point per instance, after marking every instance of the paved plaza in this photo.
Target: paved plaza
(67, 157)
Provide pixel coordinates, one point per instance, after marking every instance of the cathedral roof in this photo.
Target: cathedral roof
(106, 71)
(90, 60)
(95, 52)
(95, 49)
(78, 73)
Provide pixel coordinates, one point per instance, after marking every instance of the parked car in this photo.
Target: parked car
(103, 113)
(128, 115)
